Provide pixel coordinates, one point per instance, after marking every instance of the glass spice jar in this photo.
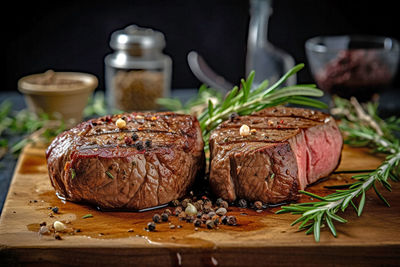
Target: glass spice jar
(138, 72)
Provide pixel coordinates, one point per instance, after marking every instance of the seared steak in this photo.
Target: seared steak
(288, 149)
(151, 161)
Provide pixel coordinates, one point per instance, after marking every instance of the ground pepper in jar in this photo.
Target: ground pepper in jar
(138, 89)
(137, 73)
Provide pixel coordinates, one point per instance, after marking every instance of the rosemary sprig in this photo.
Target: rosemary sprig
(361, 127)
(245, 99)
(24, 123)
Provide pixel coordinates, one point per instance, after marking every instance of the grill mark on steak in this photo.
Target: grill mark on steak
(286, 116)
(131, 131)
(305, 146)
(163, 171)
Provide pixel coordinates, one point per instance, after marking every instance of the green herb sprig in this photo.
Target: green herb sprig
(361, 127)
(25, 123)
(245, 99)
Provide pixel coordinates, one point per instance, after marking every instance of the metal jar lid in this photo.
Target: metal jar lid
(137, 39)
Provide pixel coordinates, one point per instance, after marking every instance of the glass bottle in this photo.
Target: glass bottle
(268, 61)
(138, 72)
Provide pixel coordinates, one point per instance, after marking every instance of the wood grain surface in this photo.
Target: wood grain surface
(260, 238)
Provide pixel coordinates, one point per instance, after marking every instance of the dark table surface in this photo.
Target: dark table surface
(389, 104)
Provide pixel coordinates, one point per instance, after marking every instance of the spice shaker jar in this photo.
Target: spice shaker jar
(138, 72)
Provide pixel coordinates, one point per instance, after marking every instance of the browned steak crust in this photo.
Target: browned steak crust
(288, 149)
(150, 162)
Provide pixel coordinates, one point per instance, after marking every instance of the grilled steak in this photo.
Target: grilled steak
(151, 161)
(288, 149)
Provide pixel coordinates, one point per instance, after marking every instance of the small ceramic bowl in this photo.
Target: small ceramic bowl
(62, 95)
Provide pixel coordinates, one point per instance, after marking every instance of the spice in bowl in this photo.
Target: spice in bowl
(61, 95)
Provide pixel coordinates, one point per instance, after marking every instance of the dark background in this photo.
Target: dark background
(74, 35)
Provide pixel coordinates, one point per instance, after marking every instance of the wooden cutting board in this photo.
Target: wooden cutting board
(119, 238)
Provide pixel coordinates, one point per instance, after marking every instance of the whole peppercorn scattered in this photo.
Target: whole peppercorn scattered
(197, 222)
(233, 116)
(204, 218)
(242, 203)
(218, 202)
(148, 143)
(182, 215)
(190, 218)
(211, 214)
(164, 217)
(231, 220)
(175, 203)
(177, 210)
(185, 202)
(139, 145)
(207, 201)
(190, 209)
(207, 207)
(55, 209)
(224, 219)
(156, 218)
(168, 211)
(151, 226)
(224, 204)
(120, 123)
(258, 205)
(198, 205)
(221, 211)
(135, 137)
(216, 220)
(128, 140)
(210, 224)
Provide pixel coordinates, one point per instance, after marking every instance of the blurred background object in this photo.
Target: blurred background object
(137, 73)
(268, 61)
(353, 65)
(74, 35)
(61, 95)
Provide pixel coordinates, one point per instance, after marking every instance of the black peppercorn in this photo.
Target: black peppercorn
(218, 202)
(139, 145)
(164, 217)
(55, 209)
(175, 203)
(190, 219)
(197, 222)
(210, 224)
(157, 218)
(204, 218)
(242, 203)
(148, 143)
(224, 219)
(128, 140)
(231, 220)
(233, 116)
(151, 226)
(177, 210)
(135, 137)
(168, 211)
